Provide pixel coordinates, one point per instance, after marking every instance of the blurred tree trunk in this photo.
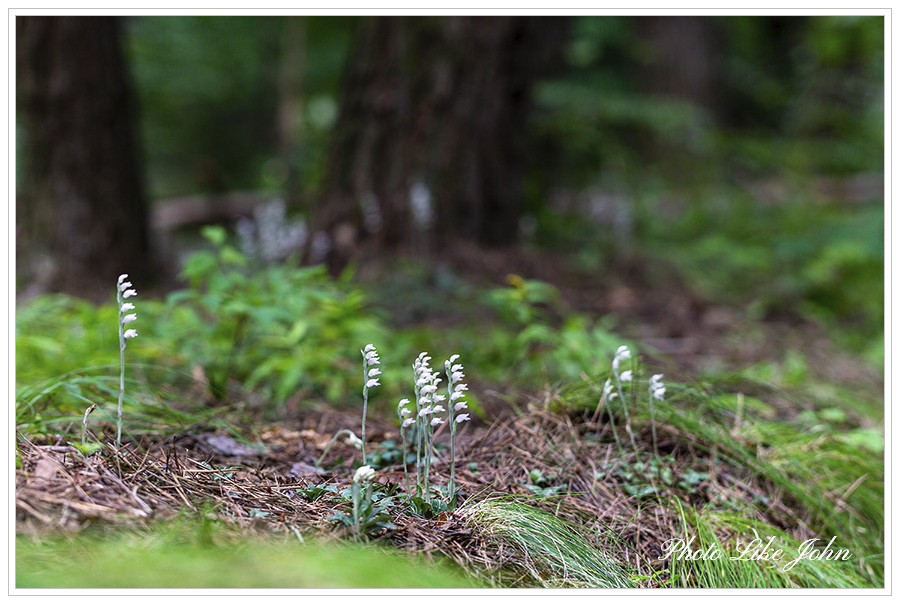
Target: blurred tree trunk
(683, 58)
(435, 109)
(81, 212)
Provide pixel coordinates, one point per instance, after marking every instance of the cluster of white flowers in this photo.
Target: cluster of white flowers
(124, 290)
(269, 235)
(622, 353)
(421, 206)
(370, 380)
(370, 359)
(657, 388)
(456, 390)
(428, 401)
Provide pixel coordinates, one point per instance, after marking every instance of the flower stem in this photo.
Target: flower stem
(121, 372)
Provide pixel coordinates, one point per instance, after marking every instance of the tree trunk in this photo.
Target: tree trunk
(432, 128)
(81, 212)
(683, 58)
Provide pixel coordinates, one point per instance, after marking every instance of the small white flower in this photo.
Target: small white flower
(369, 348)
(408, 422)
(373, 382)
(626, 376)
(623, 352)
(437, 421)
(457, 375)
(404, 412)
(462, 417)
(355, 441)
(126, 307)
(129, 318)
(462, 405)
(438, 409)
(122, 278)
(364, 474)
(429, 389)
(453, 358)
(456, 396)
(403, 402)
(657, 388)
(372, 358)
(607, 387)
(124, 286)
(374, 371)
(460, 388)
(129, 293)
(130, 333)
(424, 411)
(456, 367)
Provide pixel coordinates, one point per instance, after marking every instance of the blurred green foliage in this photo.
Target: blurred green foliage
(194, 552)
(799, 95)
(209, 91)
(278, 328)
(821, 262)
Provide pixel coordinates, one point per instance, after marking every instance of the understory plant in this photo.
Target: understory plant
(370, 380)
(123, 292)
(421, 419)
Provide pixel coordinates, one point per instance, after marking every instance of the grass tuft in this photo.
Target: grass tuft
(549, 551)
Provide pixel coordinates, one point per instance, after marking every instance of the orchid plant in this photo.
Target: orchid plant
(124, 290)
(657, 391)
(361, 492)
(456, 390)
(622, 354)
(612, 390)
(370, 380)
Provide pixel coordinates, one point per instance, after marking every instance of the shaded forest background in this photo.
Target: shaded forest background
(586, 134)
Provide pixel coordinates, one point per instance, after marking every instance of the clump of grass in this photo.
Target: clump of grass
(735, 569)
(550, 551)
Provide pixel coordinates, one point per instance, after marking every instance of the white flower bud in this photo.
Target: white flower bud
(129, 318)
(130, 333)
(364, 474)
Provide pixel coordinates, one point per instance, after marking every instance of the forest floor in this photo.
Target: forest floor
(535, 443)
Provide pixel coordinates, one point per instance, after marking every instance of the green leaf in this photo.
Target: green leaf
(214, 234)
